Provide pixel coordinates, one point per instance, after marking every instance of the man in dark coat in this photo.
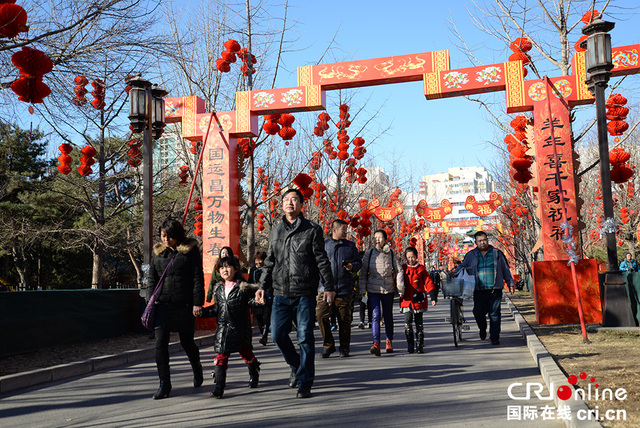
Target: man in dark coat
(296, 259)
(345, 260)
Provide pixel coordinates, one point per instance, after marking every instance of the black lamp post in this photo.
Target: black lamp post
(146, 113)
(598, 64)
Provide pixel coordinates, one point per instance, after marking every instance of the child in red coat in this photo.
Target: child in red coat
(417, 283)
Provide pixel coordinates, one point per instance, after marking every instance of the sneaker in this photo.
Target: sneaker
(388, 347)
(327, 352)
(361, 326)
(483, 334)
(375, 349)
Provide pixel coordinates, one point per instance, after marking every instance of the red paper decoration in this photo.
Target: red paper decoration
(588, 17)
(98, 94)
(87, 160)
(228, 56)
(616, 113)
(322, 124)
(302, 181)
(13, 20)
(135, 155)
(80, 90)
(64, 159)
(198, 217)
(247, 146)
(184, 175)
(577, 46)
(519, 46)
(286, 132)
(32, 64)
(271, 125)
(247, 64)
(260, 221)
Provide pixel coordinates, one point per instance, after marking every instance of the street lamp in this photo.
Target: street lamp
(146, 113)
(598, 64)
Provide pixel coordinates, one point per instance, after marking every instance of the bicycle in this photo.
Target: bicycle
(452, 289)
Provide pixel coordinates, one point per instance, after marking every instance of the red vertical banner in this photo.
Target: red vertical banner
(220, 220)
(552, 215)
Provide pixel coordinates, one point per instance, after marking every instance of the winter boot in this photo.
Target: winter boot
(420, 337)
(198, 378)
(254, 373)
(220, 379)
(165, 382)
(408, 331)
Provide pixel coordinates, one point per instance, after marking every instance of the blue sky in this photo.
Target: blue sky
(424, 136)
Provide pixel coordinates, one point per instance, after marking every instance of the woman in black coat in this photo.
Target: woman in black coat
(233, 298)
(179, 300)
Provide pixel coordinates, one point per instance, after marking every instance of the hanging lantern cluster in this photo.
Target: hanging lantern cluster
(630, 190)
(183, 175)
(517, 147)
(520, 47)
(358, 149)
(86, 160)
(286, 132)
(13, 19)
(228, 56)
(195, 147)
(343, 138)
(80, 90)
(270, 125)
(260, 221)
(246, 147)
(265, 192)
(198, 217)
(616, 114)
(302, 181)
(64, 159)
(350, 170)
(328, 149)
(33, 64)
(135, 155)
(273, 207)
(316, 160)
(320, 195)
(624, 215)
(322, 124)
(248, 60)
(98, 94)
(621, 171)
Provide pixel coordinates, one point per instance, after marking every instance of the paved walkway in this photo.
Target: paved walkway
(445, 387)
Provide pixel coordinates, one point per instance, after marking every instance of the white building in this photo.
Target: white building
(456, 185)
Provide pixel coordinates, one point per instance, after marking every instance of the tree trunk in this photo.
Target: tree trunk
(98, 261)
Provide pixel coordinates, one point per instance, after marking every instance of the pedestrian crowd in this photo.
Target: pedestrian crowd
(303, 279)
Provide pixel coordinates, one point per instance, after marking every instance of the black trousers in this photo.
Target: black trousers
(174, 319)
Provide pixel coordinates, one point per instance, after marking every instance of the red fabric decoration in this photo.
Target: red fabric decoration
(80, 90)
(520, 56)
(135, 155)
(98, 94)
(87, 160)
(519, 123)
(30, 89)
(232, 45)
(618, 156)
(64, 159)
(522, 176)
(577, 46)
(621, 173)
(617, 127)
(13, 20)
(316, 160)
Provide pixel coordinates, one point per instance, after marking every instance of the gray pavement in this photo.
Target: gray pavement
(445, 387)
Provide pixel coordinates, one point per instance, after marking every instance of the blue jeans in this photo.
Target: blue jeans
(283, 312)
(386, 300)
(488, 302)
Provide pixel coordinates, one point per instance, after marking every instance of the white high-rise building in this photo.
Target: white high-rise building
(455, 185)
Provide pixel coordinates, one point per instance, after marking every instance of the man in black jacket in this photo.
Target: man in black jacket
(345, 261)
(296, 259)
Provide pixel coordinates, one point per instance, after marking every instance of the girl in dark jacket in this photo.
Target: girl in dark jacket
(179, 300)
(232, 301)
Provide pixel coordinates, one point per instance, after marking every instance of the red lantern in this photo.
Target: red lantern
(184, 175)
(87, 160)
(521, 44)
(98, 94)
(64, 159)
(30, 89)
(13, 20)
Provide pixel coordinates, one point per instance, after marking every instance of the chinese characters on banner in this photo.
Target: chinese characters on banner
(548, 181)
(220, 201)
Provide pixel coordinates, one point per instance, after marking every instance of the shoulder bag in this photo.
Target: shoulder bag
(149, 315)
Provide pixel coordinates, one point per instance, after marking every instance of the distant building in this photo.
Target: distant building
(455, 185)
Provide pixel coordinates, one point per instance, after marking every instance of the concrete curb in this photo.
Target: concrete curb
(550, 371)
(17, 381)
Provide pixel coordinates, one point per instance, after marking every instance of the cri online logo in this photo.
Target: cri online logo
(565, 392)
